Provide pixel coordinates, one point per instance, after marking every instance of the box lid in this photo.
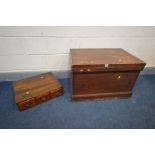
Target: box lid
(35, 86)
(106, 58)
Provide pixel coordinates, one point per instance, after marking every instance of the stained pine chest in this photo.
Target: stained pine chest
(103, 73)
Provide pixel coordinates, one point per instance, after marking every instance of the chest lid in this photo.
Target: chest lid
(105, 58)
(35, 86)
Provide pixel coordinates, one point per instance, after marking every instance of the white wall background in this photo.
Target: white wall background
(47, 48)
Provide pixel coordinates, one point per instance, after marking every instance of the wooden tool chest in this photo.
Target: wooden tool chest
(103, 73)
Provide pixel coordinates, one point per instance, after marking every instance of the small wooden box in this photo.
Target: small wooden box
(103, 73)
(32, 91)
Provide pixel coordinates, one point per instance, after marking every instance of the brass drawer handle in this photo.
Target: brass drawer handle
(81, 70)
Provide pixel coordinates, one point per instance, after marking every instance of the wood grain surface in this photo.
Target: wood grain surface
(98, 57)
(35, 90)
(103, 73)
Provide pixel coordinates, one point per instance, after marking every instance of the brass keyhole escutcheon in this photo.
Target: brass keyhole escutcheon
(27, 93)
(88, 69)
(119, 77)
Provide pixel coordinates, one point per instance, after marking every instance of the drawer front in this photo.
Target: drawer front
(26, 104)
(39, 99)
(43, 98)
(105, 82)
(57, 92)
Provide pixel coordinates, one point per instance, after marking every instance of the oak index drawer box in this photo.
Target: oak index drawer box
(32, 91)
(103, 73)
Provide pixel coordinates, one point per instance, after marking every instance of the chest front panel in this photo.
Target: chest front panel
(93, 83)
